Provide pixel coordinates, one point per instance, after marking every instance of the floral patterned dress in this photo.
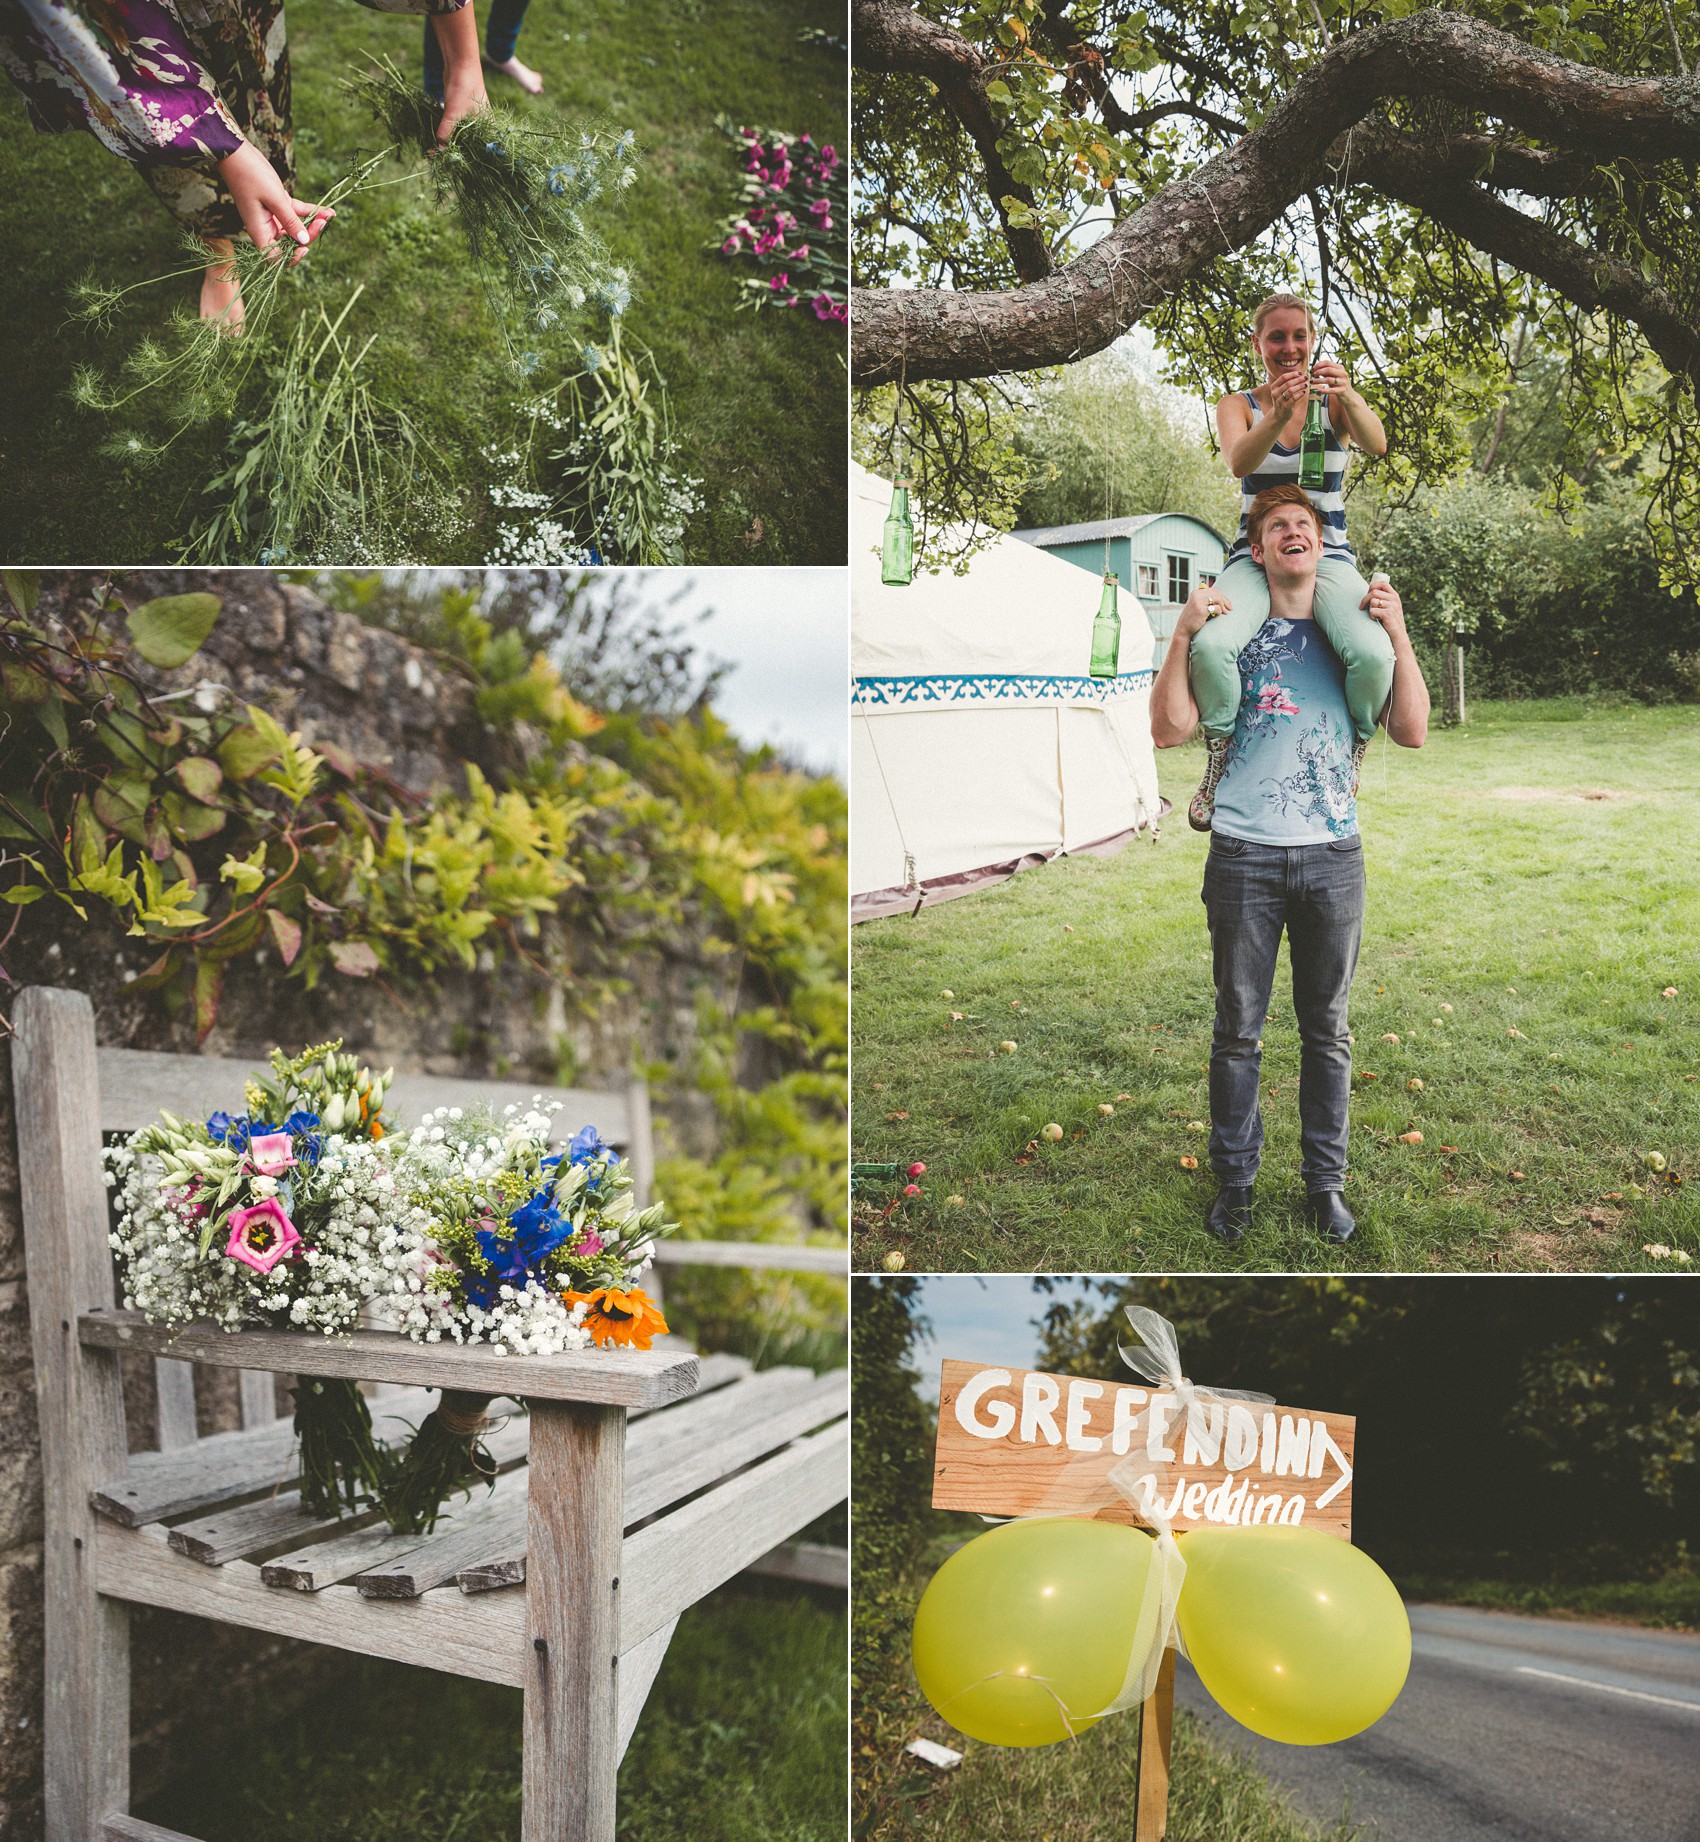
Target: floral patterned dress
(172, 86)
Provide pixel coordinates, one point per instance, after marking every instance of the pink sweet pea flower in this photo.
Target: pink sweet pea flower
(270, 1153)
(262, 1235)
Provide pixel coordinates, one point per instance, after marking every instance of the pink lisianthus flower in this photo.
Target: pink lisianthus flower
(589, 1245)
(262, 1235)
(732, 245)
(779, 281)
(270, 1153)
(800, 253)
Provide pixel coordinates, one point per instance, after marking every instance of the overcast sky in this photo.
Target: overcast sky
(786, 633)
(992, 1319)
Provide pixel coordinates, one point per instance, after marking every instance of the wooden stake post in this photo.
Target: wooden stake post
(1016, 1442)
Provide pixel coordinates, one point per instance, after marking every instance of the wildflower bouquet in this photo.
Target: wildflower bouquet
(792, 217)
(520, 188)
(286, 1214)
(530, 1250)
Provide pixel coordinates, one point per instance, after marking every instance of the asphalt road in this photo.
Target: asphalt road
(1510, 1729)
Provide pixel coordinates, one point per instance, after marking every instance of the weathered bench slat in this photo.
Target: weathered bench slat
(791, 1256)
(609, 1378)
(656, 1477)
(119, 1828)
(812, 1562)
(665, 1568)
(136, 1083)
(668, 1566)
(433, 1632)
(656, 1474)
(706, 1414)
(164, 1486)
(315, 1566)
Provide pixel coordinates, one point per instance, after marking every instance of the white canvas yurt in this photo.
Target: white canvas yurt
(979, 744)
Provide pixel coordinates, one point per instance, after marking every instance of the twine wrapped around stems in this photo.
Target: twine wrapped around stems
(446, 1455)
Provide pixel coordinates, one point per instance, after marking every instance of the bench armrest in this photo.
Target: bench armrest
(604, 1378)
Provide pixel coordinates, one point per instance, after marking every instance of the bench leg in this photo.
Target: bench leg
(572, 1592)
(80, 1403)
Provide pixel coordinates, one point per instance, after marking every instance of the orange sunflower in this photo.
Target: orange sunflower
(620, 1315)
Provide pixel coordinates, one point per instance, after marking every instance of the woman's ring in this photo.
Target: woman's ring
(1213, 607)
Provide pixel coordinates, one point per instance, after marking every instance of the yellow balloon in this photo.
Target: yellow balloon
(1026, 1634)
(1298, 1635)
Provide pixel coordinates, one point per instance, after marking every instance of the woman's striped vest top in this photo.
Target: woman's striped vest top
(1280, 467)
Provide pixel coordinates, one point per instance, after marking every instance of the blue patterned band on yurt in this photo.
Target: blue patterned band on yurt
(937, 689)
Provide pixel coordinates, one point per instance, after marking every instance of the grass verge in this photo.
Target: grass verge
(741, 1740)
(1671, 1604)
(759, 399)
(1534, 890)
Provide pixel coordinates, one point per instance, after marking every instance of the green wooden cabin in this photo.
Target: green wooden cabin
(1159, 556)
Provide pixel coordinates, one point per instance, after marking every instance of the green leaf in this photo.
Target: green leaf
(286, 933)
(22, 686)
(209, 982)
(51, 715)
(245, 751)
(201, 778)
(122, 799)
(355, 958)
(23, 894)
(24, 587)
(191, 822)
(169, 631)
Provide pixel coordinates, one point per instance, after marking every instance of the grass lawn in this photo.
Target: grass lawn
(1534, 886)
(741, 1740)
(759, 399)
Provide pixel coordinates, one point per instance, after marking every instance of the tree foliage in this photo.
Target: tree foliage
(1539, 1430)
(1035, 177)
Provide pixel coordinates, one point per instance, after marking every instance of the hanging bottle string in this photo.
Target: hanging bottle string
(1107, 626)
(897, 545)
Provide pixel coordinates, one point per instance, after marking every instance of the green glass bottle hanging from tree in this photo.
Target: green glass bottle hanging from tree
(1106, 632)
(897, 550)
(1313, 449)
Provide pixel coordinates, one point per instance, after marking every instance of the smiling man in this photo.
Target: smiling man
(1285, 855)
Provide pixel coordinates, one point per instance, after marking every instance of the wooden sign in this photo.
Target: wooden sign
(1015, 1442)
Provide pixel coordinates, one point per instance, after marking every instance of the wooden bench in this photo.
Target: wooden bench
(638, 1482)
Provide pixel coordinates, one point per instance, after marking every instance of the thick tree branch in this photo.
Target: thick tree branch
(1473, 159)
(1232, 199)
(1585, 277)
(890, 36)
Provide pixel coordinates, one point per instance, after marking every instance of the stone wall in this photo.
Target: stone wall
(390, 705)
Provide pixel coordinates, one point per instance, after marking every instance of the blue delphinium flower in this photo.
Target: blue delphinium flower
(309, 1145)
(218, 1127)
(585, 1144)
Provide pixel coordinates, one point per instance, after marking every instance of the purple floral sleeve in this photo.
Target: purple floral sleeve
(123, 69)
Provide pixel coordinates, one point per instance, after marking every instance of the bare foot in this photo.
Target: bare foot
(221, 291)
(522, 74)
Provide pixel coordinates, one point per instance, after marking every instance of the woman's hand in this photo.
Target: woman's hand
(267, 210)
(1331, 376)
(1383, 604)
(1202, 604)
(1288, 389)
(463, 69)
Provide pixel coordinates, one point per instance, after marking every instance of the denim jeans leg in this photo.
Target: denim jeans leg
(1325, 923)
(433, 80)
(501, 29)
(1245, 904)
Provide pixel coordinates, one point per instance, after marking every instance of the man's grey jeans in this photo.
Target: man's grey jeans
(1315, 892)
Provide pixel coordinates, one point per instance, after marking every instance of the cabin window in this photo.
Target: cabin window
(1180, 577)
(1148, 581)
